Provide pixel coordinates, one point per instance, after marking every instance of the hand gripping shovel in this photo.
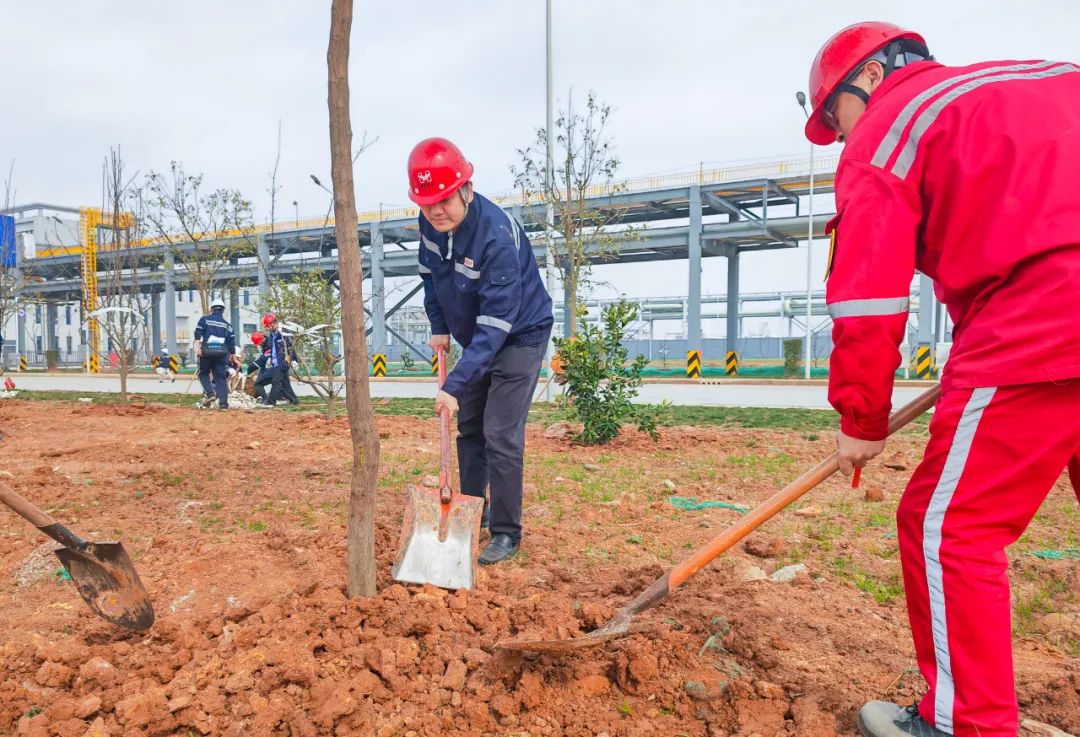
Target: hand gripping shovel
(441, 529)
(102, 572)
(621, 624)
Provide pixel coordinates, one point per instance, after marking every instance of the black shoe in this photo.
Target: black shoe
(485, 518)
(881, 719)
(500, 548)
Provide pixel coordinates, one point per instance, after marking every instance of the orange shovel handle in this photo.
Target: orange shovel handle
(781, 499)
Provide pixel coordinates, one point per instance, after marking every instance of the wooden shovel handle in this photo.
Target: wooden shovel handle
(781, 499)
(23, 508)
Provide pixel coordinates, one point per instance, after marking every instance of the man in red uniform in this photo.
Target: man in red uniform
(968, 174)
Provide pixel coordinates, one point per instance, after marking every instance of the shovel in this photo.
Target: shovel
(621, 624)
(102, 572)
(441, 529)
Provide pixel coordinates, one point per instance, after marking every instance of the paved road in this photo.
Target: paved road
(723, 395)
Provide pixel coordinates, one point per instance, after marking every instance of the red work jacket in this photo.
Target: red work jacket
(972, 176)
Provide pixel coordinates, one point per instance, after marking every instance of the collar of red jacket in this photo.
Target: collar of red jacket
(898, 77)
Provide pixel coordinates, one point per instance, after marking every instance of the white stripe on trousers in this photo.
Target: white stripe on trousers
(955, 462)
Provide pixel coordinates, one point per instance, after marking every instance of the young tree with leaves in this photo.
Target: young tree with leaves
(584, 163)
(311, 301)
(122, 303)
(206, 232)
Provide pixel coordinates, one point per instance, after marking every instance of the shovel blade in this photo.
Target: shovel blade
(450, 562)
(107, 581)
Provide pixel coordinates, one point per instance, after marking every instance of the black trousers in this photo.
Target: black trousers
(491, 439)
(281, 388)
(219, 367)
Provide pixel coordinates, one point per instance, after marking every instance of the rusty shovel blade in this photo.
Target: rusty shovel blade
(439, 541)
(107, 581)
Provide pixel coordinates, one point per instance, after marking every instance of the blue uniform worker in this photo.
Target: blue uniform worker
(483, 287)
(164, 370)
(215, 346)
(280, 351)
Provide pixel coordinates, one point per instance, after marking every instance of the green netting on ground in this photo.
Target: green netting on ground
(1065, 554)
(691, 504)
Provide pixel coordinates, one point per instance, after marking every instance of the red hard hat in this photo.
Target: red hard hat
(837, 59)
(268, 320)
(437, 168)
(256, 338)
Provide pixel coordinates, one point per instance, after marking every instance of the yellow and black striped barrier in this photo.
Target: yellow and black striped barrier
(731, 363)
(95, 365)
(22, 363)
(155, 362)
(435, 364)
(378, 363)
(174, 364)
(693, 364)
(924, 362)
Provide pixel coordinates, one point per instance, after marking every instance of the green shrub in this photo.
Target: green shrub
(600, 382)
(793, 352)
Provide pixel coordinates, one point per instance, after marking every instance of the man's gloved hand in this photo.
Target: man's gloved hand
(442, 399)
(855, 453)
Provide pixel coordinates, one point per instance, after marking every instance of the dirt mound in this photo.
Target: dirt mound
(243, 554)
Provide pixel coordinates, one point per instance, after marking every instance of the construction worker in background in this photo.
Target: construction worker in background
(163, 369)
(967, 174)
(481, 285)
(215, 347)
(281, 356)
(265, 376)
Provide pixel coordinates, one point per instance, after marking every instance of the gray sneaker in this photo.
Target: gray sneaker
(207, 402)
(881, 719)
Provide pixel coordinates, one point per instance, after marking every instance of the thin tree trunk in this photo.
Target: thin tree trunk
(365, 438)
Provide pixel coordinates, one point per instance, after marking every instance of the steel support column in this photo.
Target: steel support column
(263, 252)
(926, 310)
(155, 323)
(51, 343)
(170, 302)
(693, 327)
(733, 299)
(378, 293)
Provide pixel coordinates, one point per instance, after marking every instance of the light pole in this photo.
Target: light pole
(550, 211)
(800, 97)
(296, 209)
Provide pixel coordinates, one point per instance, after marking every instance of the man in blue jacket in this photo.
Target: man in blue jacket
(482, 286)
(215, 346)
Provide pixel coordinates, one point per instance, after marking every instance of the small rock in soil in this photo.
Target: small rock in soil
(874, 494)
(558, 431)
(669, 484)
(765, 547)
(749, 573)
(431, 482)
(810, 511)
(591, 467)
(787, 573)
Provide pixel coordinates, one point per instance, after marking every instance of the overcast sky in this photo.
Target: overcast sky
(205, 82)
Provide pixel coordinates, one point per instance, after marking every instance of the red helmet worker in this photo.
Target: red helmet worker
(481, 286)
(268, 319)
(967, 174)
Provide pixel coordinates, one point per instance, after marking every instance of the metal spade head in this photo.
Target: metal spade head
(618, 628)
(107, 581)
(439, 541)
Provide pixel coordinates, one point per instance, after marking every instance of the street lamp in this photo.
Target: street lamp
(800, 97)
(296, 208)
(320, 184)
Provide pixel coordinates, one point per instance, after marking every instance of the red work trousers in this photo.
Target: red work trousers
(993, 456)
